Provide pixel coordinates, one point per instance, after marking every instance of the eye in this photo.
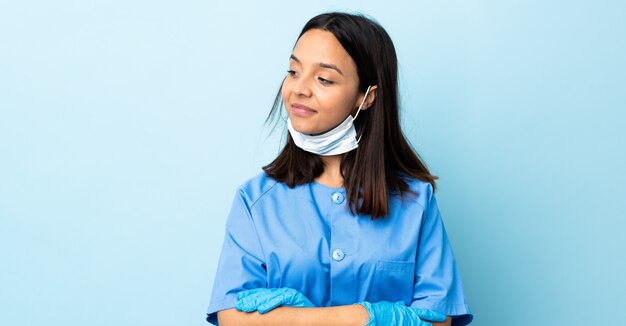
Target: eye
(325, 81)
(291, 72)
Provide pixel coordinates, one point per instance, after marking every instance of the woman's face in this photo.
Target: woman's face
(321, 88)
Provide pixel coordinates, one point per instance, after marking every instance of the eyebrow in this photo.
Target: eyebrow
(321, 64)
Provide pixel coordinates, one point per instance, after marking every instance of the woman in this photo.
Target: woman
(342, 228)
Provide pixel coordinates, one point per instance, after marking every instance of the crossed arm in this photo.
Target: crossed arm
(349, 315)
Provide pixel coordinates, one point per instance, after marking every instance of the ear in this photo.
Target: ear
(371, 96)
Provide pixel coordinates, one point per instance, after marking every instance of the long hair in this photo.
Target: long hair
(384, 160)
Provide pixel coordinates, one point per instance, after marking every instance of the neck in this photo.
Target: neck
(332, 171)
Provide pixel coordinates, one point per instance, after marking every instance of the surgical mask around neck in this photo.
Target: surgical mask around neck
(338, 140)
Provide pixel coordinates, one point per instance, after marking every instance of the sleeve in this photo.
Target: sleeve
(438, 283)
(241, 265)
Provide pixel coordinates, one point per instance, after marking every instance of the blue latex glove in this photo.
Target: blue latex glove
(388, 313)
(264, 300)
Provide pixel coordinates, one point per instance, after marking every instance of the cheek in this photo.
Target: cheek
(285, 92)
(285, 89)
(337, 105)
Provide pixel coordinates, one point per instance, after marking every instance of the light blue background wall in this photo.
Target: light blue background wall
(125, 127)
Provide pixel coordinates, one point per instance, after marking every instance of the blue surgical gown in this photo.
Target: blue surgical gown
(307, 239)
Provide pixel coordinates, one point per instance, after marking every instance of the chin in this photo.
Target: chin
(304, 128)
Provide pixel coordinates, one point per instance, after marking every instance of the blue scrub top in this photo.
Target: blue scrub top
(305, 238)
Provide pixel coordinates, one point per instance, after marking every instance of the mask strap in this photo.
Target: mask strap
(363, 101)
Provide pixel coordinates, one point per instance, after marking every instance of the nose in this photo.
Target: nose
(302, 86)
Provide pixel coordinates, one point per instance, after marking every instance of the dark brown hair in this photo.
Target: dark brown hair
(384, 160)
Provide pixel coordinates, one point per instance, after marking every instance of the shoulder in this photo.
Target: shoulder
(423, 192)
(255, 188)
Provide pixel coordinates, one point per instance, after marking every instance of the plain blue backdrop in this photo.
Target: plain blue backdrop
(125, 127)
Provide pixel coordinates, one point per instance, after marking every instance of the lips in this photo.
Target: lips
(301, 107)
(302, 110)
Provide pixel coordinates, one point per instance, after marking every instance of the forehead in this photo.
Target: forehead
(317, 46)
